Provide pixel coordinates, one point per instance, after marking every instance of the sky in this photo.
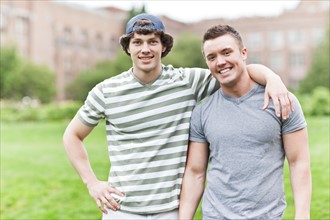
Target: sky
(192, 11)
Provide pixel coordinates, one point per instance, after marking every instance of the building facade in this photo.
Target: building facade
(286, 42)
(67, 38)
(70, 39)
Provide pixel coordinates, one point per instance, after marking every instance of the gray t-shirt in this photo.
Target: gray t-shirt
(245, 173)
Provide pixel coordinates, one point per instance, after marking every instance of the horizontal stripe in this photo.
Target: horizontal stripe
(117, 151)
(152, 208)
(147, 159)
(144, 123)
(146, 176)
(142, 182)
(150, 154)
(148, 164)
(169, 131)
(160, 183)
(137, 144)
(149, 98)
(156, 111)
(151, 197)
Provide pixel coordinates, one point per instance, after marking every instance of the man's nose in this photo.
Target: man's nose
(145, 47)
(221, 60)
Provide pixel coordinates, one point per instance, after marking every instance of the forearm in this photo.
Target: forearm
(191, 193)
(78, 157)
(301, 182)
(261, 74)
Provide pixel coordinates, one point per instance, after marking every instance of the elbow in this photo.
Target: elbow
(198, 174)
(68, 139)
(65, 139)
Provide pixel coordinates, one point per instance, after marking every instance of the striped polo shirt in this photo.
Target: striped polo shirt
(147, 130)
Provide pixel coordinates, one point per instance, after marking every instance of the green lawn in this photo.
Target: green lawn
(38, 182)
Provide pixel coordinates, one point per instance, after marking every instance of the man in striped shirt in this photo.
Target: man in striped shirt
(147, 110)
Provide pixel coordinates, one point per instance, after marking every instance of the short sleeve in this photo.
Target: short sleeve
(196, 133)
(203, 83)
(94, 107)
(296, 120)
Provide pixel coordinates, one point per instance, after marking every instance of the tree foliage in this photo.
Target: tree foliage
(9, 63)
(78, 89)
(186, 52)
(317, 102)
(21, 78)
(135, 11)
(319, 74)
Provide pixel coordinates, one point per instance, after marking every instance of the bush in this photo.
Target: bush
(186, 52)
(21, 78)
(19, 111)
(67, 111)
(317, 103)
(78, 89)
(10, 62)
(321, 101)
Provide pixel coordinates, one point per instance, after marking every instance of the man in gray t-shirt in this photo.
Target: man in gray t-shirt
(242, 145)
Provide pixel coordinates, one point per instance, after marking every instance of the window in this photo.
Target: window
(297, 37)
(276, 39)
(84, 65)
(276, 61)
(21, 26)
(317, 36)
(112, 45)
(68, 68)
(84, 39)
(67, 36)
(297, 60)
(254, 58)
(3, 21)
(99, 42)
(254, 41)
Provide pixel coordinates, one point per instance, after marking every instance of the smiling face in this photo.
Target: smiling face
(225, 59)
(146, 52)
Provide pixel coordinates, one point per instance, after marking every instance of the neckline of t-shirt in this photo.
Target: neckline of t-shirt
(146, 84)
(242, 98)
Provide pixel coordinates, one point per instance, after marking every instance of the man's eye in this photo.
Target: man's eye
(227, 52)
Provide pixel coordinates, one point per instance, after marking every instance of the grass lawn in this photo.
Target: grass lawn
(38, 182)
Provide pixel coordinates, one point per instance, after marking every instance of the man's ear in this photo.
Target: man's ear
(244, 53)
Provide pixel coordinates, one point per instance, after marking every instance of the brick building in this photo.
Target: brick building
(284, 43)
(67, 38)
(70, 39)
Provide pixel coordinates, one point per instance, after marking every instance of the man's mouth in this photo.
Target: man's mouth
(145, 58)
(222, 71)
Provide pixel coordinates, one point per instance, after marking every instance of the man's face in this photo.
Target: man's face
(146, 52)
(225, 59)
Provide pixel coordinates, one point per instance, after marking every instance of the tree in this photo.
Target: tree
(318, 74)
(78, 89)
(135, 11)
(31, 80)
(186, 52)
(20, 78)
(9, 63)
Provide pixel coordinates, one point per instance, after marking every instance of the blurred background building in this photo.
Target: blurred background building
(70, 39)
